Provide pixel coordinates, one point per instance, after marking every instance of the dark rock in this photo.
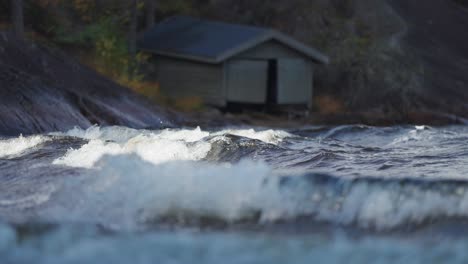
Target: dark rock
(438, 35)
(43, 90)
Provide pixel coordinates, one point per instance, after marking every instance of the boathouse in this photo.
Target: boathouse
(231, 64)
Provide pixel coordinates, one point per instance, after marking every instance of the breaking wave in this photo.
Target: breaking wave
(115, 194)
(156, 147)
(123, 134)
(16, 146)
(132, 192)
(132, 178)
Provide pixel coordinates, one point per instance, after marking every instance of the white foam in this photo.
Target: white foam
(122, 134)
(139, 180)
(154, 146)
(88, 154)
(112, 133)
(185, 134)
(16, 146)
(268, 136)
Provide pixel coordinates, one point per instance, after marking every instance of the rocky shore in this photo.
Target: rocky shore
(393, 62)
(43, 90)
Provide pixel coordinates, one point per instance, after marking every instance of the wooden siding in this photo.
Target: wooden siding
(294, 81)
(295, 71)
(181, 78)
(242, 79)
(247, 81)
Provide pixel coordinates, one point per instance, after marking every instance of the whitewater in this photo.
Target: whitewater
(353, 194)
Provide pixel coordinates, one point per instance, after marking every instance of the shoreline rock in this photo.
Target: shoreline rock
(43, 90)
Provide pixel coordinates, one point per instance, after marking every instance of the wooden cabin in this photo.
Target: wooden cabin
(229, 64)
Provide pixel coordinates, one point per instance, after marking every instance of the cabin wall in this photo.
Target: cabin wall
(246, 81)
(294, 75)
(242, 79)
(182, 78)
(295, 81)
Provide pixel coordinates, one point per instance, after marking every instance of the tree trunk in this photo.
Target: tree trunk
(150, 10)
(17, 17)
(132, 37)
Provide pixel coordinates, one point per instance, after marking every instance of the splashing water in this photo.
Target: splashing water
(159, 147)
(16, 146)
(316, 180)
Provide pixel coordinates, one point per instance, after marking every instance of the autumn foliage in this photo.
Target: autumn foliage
(96, 32)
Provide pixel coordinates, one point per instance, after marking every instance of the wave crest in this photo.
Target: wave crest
(16, 146)
(127, 191)
(153, 146)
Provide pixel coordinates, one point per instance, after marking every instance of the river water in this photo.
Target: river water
(348, 194)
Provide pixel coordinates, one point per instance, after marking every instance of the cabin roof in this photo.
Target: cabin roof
(214, 42)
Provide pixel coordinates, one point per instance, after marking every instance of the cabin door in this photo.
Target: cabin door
(272, 84)
(294, 81)
(246, 81)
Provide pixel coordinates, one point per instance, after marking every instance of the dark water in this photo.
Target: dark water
(349, 194)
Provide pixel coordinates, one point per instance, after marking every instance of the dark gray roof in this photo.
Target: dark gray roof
(213, 42)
